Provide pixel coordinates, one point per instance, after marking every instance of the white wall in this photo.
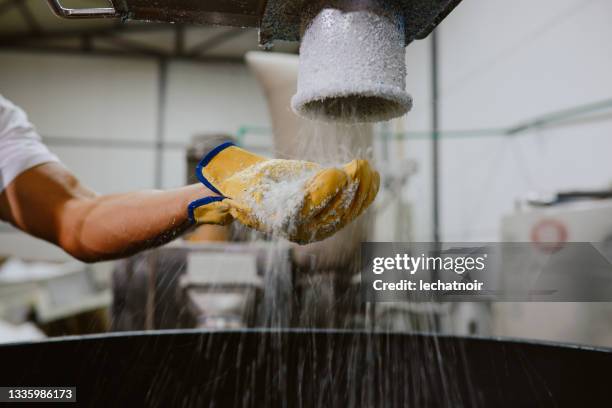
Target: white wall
(502, 63)
(89, 98)
(94, 98)
(209, 98)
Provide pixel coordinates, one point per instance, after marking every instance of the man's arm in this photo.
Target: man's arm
(48, 202)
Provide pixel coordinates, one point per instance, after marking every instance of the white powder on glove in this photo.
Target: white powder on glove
(277, 197)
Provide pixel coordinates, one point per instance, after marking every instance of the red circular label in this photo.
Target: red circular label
(549, 235)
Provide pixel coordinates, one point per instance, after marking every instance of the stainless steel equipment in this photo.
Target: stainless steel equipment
(352, 53)
(188, 285)
(50, 291)
(276, 19)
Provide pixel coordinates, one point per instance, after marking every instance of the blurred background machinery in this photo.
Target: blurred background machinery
(549, 223)
(500, 110)
(39, 299)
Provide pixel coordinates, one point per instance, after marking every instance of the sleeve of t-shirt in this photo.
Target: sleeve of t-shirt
(21, 147)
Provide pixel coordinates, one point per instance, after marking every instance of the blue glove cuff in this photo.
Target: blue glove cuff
(204, 162)
(199, 203)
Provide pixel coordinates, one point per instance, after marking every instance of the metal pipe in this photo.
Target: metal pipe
(435, 139)
(352, 64)
(435, 159)
(161, 121)
(94, 12)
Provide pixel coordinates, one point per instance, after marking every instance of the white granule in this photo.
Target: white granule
(277, 195)
(348, 195)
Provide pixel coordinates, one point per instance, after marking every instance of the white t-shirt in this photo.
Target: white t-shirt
(21, 147)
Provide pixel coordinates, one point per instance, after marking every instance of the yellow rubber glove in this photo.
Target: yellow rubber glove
(299, 200)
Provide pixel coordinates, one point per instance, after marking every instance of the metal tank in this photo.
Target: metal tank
(293, 368)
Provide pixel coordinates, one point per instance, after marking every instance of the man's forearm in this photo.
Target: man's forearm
(49, 202)
(114, 226)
